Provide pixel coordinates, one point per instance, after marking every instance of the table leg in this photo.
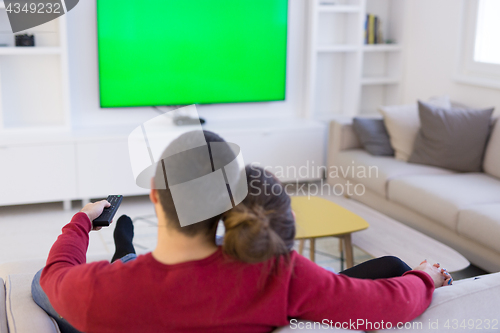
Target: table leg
(341, 251)
(312, 248)
(301, 246)
(349, 257)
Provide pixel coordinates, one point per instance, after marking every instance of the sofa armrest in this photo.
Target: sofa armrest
(19, 312)
(473, 299)
(23, 314)
(341, 137)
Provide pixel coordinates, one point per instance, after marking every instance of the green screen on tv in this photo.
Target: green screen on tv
(177, 52)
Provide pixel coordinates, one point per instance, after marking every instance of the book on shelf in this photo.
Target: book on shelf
(373, 30)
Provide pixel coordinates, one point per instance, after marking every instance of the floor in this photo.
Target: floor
(28, 232)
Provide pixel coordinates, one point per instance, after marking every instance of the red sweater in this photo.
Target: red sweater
(216, 294)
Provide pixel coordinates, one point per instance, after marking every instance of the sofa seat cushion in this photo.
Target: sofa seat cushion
(482, 224)
(23, 314)
(440, 198)
(374, 172)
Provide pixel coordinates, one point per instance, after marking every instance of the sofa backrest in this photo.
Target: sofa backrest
(491, 163)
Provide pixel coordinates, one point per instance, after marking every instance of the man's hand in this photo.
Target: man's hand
(93, 210)
(434, 271)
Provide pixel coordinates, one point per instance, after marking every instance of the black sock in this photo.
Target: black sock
(123, 235)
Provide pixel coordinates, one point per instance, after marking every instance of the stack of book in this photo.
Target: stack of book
(373, 30)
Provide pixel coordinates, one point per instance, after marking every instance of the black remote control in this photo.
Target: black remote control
(107, 215)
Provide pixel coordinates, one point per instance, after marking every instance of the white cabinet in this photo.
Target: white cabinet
(30, 174)
(93, 164)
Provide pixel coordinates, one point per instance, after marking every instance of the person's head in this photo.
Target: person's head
(260, 227)
(187, 164)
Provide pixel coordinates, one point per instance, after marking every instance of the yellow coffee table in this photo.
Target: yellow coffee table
(316, 217)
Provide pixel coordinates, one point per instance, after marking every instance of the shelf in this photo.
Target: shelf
(344, 75)
(379, 80)
(339, 9)
(27, 50)
(382, 48)
(337, 48)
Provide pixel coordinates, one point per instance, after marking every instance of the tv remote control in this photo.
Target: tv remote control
(108, 213)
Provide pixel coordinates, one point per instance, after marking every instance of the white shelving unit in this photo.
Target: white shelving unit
(34, 92)
(345, 76)
(40, 50)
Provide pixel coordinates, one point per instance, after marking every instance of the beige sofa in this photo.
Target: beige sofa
(468, 299)
(461, 210)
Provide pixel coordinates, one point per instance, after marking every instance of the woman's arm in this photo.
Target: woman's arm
(319, 295)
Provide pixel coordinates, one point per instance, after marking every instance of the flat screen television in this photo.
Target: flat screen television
(178, 52)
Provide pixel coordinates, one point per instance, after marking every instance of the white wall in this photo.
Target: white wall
(431, 47)
(83, 69)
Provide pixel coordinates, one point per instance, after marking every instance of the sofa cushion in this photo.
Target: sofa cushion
(440, 198)
(373, 135)
(3, 313)
(491, 164)
(382, 169)
(23, 314)
(482, 224)
(402, 123)
(472, 299)
(451, 138)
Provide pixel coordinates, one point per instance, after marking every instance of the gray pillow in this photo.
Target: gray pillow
(373, 136)
(451, 138)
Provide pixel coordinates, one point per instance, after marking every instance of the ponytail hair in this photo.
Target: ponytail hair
(262, 226)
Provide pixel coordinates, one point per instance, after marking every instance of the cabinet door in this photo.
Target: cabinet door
(104, 168)
(32, 174)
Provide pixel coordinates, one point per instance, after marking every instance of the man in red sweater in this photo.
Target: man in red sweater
(187, 284)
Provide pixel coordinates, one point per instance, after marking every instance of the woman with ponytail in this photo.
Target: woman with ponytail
(263, 225)
(190, 284)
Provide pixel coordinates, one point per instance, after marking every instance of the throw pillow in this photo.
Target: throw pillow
(451, 138)
(402, 124)
(491, 162)
(373, 136)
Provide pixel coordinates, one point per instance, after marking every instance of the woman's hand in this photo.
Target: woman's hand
(93, 210)
(436, 273)
(448, 280)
